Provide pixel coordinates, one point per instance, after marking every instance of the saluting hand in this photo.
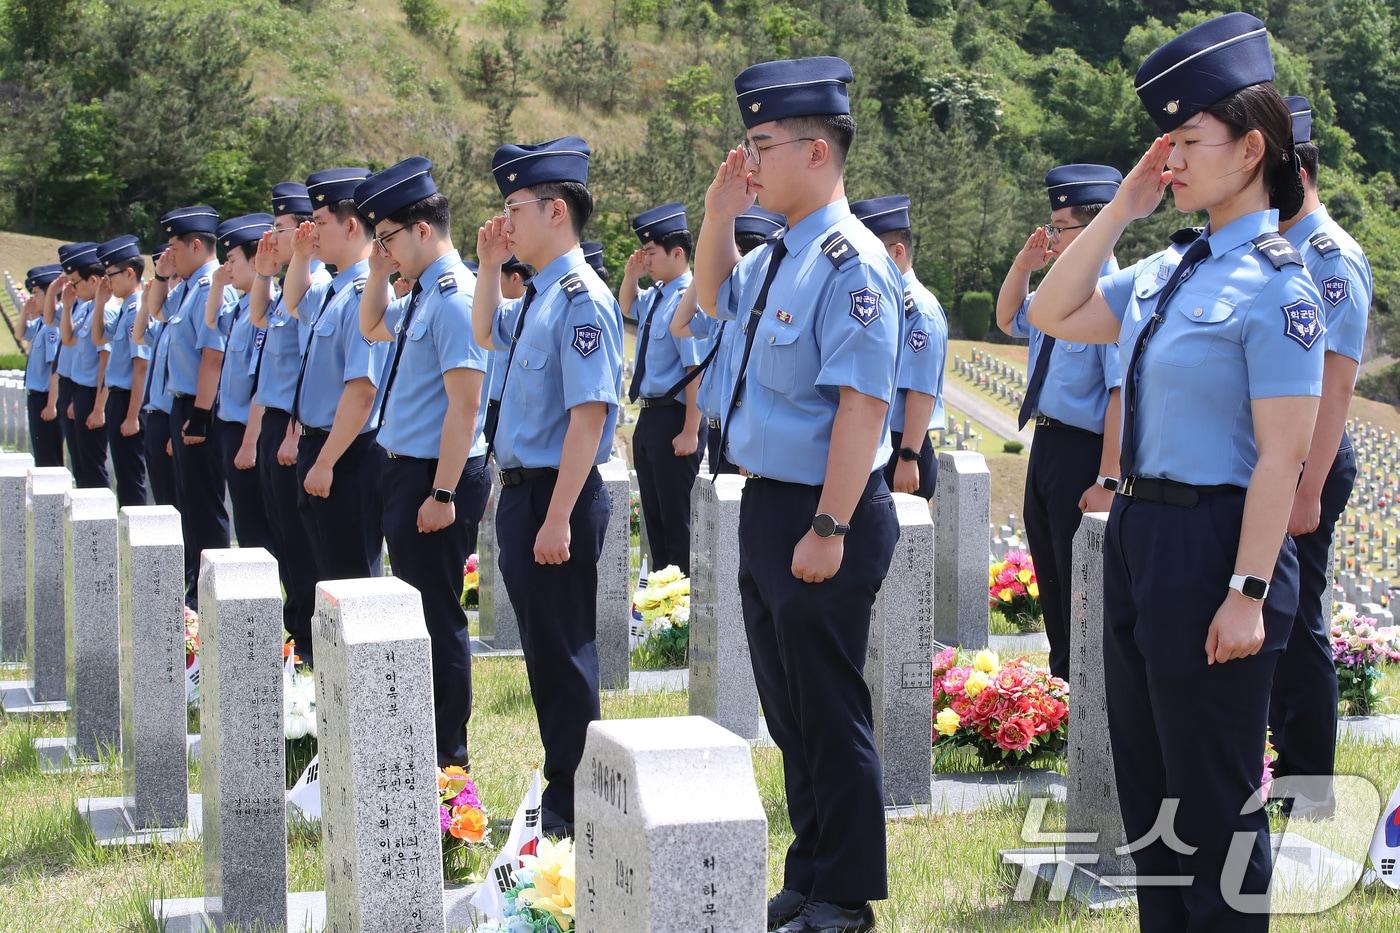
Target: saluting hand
(56, 286)
(733, 191)
(1036, 253)
(817, 559)
(492, 244)
(635, 267)
(265, 259)
(1142, 189)
(223, 276)
(165, 263)
(380, 262)
(104, 292)
(304, 240)
(70, 296)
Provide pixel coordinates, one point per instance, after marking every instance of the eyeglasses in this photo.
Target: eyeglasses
(753, 154)
(383, 240)
(1053, 232)
(280, 230)
(509, 209)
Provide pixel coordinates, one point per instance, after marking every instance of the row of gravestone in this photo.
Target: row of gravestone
(14, 411)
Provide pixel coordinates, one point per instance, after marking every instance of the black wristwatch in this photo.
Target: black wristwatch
(826, 526)
(162, 278)
(908, 455)
(445, 496)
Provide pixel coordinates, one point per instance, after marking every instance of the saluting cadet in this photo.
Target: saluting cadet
(1303, 714)
(751, 228)
(514, 275)
(808, 422)
(156, 398)
(238, 420)
(194, 357)
(559, 408)
(670, 431)
(275, 369)
(40, 380)
(433, 481)
(1072, 393)
(69, 255)
(1223, 359)
(81, 313)
(336, 396)
(918, 402)
(125, 373)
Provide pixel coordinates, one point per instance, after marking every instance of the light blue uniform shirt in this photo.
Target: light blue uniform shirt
(439, 340)
(570, 353)
(236, 378)
(337, 353)
(286, 342)
(718, 381)
(65, 354)
(829, 323)
(158, 397)
(1236, 329)
(189, 337)
(667, 356)
(123, 348)
(924, 330)
(1080, 376)
(1342, 274)
(43, 350)
(86, 357)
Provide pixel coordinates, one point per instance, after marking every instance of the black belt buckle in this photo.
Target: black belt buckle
(512, 477)
(713, 423)
(1042, 421)
(1125, 486)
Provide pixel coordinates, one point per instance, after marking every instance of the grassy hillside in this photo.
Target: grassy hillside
(18, 253)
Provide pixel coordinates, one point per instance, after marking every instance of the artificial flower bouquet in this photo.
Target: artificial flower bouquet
(1010, 714)
(1014, 591)
(661, 620)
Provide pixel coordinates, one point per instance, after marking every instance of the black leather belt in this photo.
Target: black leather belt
(393, 456)
(658, 402)
(313, 432)
(181, 395)
(713, 423)
(1044, 421)
(1169, 492)
(520, 474)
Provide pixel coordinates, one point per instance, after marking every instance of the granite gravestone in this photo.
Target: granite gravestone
(90, 611)
(14, 573)
(962, 516)
(498, 625)
(614, 599)
(44, 531)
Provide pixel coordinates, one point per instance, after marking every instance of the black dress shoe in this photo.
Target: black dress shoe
(784, 906)
(817, 917)
(555, 826)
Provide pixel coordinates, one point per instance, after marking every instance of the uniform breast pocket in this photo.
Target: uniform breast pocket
(1209, 325)
(532, 365)
(778, 357)
(325, 327)
(239, 340)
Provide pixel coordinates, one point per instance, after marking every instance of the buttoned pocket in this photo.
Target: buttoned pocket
(1210, 325)
(238, 341)
(325, 326)
(778, 357)
(532, 363)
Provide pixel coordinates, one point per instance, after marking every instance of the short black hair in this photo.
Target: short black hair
(577, 196)
(748, 242)
(346, 209)
(94, 271)
(902, 235)
(206, 238)
(1308, 154)
(681, 238)
(299, 218)
(838, 129)
(513, 266)
(1085, 213)
(250, 249)
(432, 210)
(136, 263)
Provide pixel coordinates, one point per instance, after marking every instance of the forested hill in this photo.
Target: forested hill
(116, 110)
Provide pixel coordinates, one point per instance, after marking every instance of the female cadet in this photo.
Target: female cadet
(1222, 356)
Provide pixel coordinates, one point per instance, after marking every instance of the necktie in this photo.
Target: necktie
(402, 339)
(639, 372)
(301, 375)
(775, 259)
(510, 357)
(1042, 368)
(698, 371)
(1128, 448)
(150, 370)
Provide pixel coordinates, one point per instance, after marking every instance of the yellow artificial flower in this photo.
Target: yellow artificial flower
(986, 661)
(1006, 594)
(948, 722)
(450, 781)
(647, 599)
(676, 589)
(976, 682)
(668, 574)
(553, 889)
(1024, 576)
(1034, 590)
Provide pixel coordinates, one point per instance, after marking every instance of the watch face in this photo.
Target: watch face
(1254, 588)
(824, 525)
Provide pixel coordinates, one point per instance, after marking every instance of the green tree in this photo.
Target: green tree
(975, 314)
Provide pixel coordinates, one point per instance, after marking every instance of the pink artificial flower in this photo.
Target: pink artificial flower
(954, 679)
(471, 564)
(945, 659)
(1014, 736)
(444, 817)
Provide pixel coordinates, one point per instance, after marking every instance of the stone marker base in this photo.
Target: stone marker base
(1010, 646)
(15, 665)
(192, 747)
(17, 699)
(675, 680)
(111, 823)
(60, 756)
(306, 912)
(1375, 729)
(964, 793)
(484, 649)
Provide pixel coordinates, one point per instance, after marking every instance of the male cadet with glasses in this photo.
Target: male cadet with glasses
(81, 314)
(433, 481)
(1072, 394)
(514, 275)
(40, 380)
(336, 396)
(808, 422)
(275, 371)
(1303, 707)
(670, 432)
(124, 376)
(68, 256)
(194, 358)
(918, 400)
(559, 408)
(156, 398)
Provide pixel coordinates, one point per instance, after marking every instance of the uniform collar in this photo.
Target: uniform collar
(679, 283)
(910, 278)
(206, 269)
(350, 274)
(440, 267)
(1298, 233)
(557, 269)
(805, 232)
(1240, 231)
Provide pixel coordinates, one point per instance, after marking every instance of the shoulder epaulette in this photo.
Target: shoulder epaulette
(1187, 235)
(447, 283)
(1277, 250)
(909, 306)
(360, 286)
(574, 286)
(839, 250)
(1325, 244)
(202, 281)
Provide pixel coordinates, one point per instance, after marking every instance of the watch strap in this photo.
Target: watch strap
(1247, 585)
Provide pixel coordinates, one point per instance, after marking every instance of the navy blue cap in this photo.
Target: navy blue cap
(290, 197)
(1081, 183)
(395, 188)
(42, 276)
(334, 185)
(513, 264)
(1202, 66)
(563, 159)
(881, 215)
(757, 220)
(75, 256)
(593, 255)
(201, 218)
(160, 249)
(245, 229)
(652, 225)
(793, 88)
(1301, 112)
(118, 250)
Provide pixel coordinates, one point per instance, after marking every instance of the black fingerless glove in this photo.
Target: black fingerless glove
(200, 420)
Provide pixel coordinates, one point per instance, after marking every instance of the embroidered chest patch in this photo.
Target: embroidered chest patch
(865, 306)
(1335, 290)
(259, 338)
(783, 316)
(918, 339)
(586, 339)
(1301, 323)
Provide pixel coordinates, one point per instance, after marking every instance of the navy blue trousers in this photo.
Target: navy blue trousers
(1303, 712)
(1180, 729)
(719, 463)
(90, 465)
(251, 527)
(344, 527)
(296, 562)
(1063, 463)
(45, 437)
(558, 612)
(808, 644)
(928, 465)
(199, 483)
(65, 423)
(160, 467)
(664, 482)
(128, 453)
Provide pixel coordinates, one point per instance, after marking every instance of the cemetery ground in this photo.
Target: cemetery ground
(945, 873)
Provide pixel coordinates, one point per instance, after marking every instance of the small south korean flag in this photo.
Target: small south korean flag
(1385, 844)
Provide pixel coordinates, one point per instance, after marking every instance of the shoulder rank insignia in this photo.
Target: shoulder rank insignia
(1277, 250)
(447, 283)
(202, 281)
(359, 286)
(574, 286)
(909, 306)
(1302, 323)
(839, 250)
(1325, 244)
